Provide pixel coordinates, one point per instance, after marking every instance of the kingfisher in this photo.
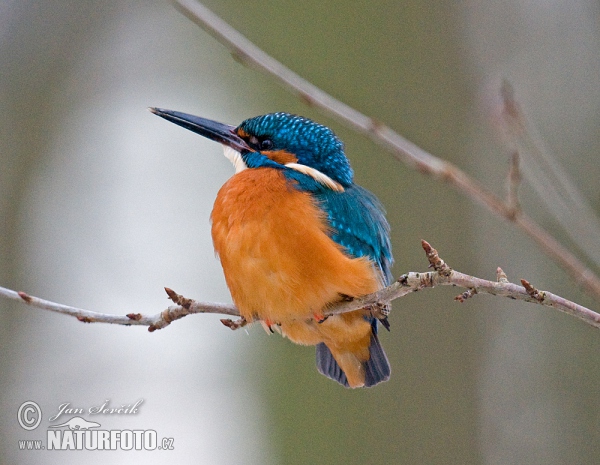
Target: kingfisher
(295, 235)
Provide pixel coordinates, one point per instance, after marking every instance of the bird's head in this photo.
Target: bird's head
(278, 140)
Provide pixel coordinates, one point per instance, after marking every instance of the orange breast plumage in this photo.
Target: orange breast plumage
(279, 263)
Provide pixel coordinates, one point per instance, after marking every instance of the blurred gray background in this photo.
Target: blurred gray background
(102, 204)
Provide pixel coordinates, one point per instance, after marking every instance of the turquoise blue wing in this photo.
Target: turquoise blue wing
(358, 223)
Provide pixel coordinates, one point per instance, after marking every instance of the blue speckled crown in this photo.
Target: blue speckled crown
(313, 144)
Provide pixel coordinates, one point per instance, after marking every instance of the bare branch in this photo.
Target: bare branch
(443, 275)
(402, 149)
(154, 322)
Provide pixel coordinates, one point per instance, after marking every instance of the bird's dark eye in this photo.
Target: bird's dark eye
(265, 144)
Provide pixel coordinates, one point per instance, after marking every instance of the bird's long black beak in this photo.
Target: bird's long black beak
(219, 132)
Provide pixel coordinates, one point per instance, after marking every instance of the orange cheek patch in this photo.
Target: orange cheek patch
(280, 156)
(243, 134)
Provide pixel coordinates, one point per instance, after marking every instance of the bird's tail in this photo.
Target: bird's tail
(347, 369)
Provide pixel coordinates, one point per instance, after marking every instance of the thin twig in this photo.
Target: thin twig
(402, 149)
(154, 322)
(443, 275)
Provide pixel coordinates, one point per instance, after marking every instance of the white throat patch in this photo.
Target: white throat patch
(235, 158)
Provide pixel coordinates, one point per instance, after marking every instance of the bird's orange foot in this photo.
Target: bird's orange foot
(270, 325)
(319, 317)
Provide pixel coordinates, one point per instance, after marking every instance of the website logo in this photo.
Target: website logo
(80, 433)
